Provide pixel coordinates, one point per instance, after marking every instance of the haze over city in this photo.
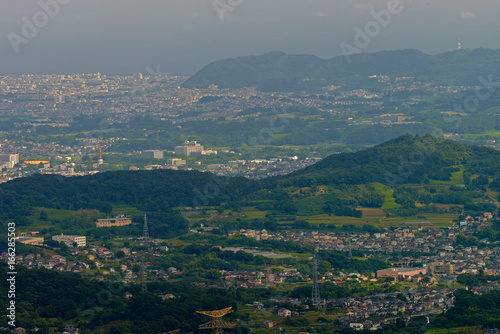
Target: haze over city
(121, 37)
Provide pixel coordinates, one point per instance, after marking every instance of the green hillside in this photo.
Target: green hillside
(155, 192)
(406, 159)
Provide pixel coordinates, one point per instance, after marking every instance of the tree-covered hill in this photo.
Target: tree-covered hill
(280, 71)
(48, 299)
(155, 192)
(406, 159)
(472, 310)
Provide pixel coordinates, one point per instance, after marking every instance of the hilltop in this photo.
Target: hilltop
(406, 159)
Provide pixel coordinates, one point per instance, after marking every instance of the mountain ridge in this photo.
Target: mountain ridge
(279, 71)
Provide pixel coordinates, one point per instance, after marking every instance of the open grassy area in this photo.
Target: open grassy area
(389, 201)
(313, 205)
(126, 210)
(39, 224)
(252, 213)
(340, 220)
(434, 219)
(441, 220)
(456, 178)
(493, 133)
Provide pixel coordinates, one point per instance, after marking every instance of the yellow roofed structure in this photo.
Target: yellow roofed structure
(218, 313)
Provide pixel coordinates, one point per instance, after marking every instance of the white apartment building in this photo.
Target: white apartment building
(81, 241)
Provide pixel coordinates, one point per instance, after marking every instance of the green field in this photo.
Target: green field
(456, 178)
(339, 220)
(389, 201)
(252, 213)
(126, 210)
(492, 133)
(53, 214)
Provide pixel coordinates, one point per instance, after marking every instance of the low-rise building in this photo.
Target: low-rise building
(401, 272)
(153, 154)
(117, 221)
(441, 268)
(176, 162)
(69, 240)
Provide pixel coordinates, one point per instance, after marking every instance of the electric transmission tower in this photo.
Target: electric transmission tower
(217, 325)
(145, 231)
(350, 247)
(145, 235)
(315, 292)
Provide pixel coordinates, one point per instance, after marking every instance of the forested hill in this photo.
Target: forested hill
(277, 71)
(152, 191)
(406, 159)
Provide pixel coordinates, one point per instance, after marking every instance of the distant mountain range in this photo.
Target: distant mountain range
(278, 71)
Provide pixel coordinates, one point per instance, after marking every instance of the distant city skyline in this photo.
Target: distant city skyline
(182, 36)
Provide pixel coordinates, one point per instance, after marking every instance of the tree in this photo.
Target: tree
(301, 224)
(402, 297)
(467, 178)
(468, 279)
(43, 215)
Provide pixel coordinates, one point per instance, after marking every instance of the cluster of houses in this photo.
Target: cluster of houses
(257, 279)
(434, 247)
(373, 311)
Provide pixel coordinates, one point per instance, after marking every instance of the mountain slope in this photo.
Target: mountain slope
(280, 71)
(406, 159)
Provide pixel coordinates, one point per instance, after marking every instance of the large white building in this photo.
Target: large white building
(188, 148)
(192, 147)
(81, 241)
(8, 160)
(176, 162)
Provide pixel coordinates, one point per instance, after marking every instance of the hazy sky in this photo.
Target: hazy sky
(181, 36)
